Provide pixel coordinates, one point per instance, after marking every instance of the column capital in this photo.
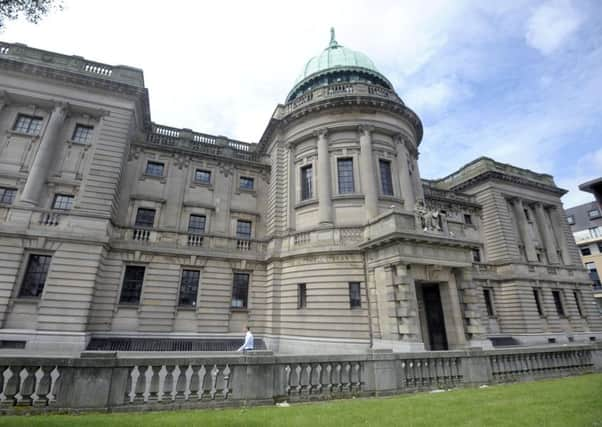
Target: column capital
(365, 129)
(320, 133)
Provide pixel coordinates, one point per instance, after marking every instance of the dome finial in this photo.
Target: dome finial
(333, 42)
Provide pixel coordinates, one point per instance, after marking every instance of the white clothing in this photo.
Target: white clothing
(249, 342)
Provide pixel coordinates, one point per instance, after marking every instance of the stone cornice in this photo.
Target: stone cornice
(499, 176)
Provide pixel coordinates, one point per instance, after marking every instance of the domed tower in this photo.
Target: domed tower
(344, 145)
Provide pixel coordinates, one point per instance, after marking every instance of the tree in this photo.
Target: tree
(32, 10)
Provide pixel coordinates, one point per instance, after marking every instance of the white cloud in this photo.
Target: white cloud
(551, 24)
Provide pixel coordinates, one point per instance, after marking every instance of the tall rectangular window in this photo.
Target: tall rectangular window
(306, 182)
(132, 284)
(154, 169)
(63, 202)
(189, 286)
(345, 176)
(301, 295)
(196, 224)
(558, 303)
(577, 296)
(476, 255)
(28, 124)
(82, 134)
(487, 294)
(243, 229)
(537, 297)
(240, 290)
(145, 218)
(7, 195)
(202, 176)
(246, 183)
(467, 219)
(355, 295)
(35, 276)
(386, 179)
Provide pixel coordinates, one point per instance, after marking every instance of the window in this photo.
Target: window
(202, 176)
(345, 176)
(386, 180)
(476, 255)
(28, 124)
(306, 182)
(82, 134)
(577, 296)
(558, 303)
(132, 284)
(196, 224)
(537, 296)
(7, 195)
(145, 218)
(35, 276)
(240, 290)
(570, 219)
(585, 251)
(355, 296)
(154, 169)
(63, 202)
(243, 229)
(467, 219)
(593, 274)
(599, 245)
(246, 183)
(301, 295)
(593, 214)
(488, 295)
(189, 286)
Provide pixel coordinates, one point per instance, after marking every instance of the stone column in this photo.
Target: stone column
(560, 236)
(405, 180)
(324, 177)
(41, 165)
(292, 187)
(546, 235)
(523, 228)
(367, 173)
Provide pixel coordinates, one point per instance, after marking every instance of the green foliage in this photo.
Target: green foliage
(562, 402)
(32, 10)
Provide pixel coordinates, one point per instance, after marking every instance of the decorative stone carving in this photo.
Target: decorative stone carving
(430, 219)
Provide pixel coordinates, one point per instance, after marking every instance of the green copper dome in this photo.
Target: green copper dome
(338, 62)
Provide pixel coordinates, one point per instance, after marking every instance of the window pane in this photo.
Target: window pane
(28, 124)
(386, 180)
(82, 134)
(7, 195)
(558, 303)
(132, 285)
(189, 286)
(62, 201)
(202, 176)
(196, 225)
(243, 229)
(246, 183)
(355, 297)
(345, 176)
(154, 169)
(240, 290)
(306, 183)
(301, 295)
(145, 217)
(35, 276)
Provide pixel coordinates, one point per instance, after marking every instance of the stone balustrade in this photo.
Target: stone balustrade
(117, 381)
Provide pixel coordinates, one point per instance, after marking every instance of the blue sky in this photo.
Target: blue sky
(519, 81)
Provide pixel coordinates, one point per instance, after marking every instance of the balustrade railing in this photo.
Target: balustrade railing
(50, 218)
(195, 240)
(28, 385)
(322, 378)
(141, 234)
(429, 373)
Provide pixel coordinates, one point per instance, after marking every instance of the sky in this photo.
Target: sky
(519, 81)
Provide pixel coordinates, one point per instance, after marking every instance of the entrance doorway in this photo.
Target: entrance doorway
(435, 321)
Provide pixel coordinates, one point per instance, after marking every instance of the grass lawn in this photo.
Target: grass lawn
(568, 402)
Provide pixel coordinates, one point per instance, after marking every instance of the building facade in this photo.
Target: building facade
(321, 236)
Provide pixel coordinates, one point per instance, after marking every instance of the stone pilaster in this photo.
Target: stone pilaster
(560, 236)
(324, 179)
(546, 234)
(44, 157)
(367, 173)
(523, 228)
(292, 188)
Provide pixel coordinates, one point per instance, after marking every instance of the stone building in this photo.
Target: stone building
(321, 236)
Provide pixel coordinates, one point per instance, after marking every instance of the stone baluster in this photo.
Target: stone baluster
(546, 234)
(367, 172)
(523, 228)
(324, 177)
(43, 161)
